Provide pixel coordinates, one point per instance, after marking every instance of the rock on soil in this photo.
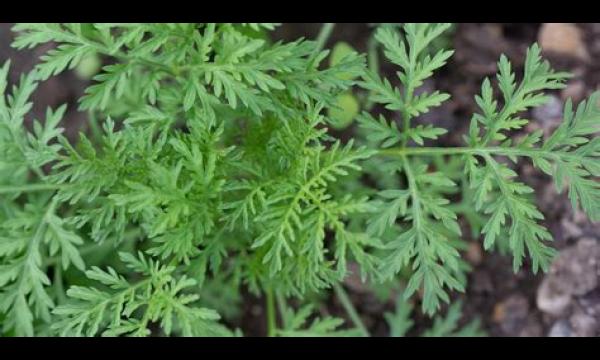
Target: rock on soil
(570, 292)
(563, 39)
(514, 316)
(575, 91)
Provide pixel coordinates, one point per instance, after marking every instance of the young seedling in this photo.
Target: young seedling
(211, 170)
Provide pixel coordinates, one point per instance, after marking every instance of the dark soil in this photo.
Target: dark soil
(504, 301)
(63, 89)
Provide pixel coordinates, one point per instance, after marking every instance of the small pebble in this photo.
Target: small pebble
(561, 329)
(583, 324)
(564, 39)
(571, 230)
(590, 302)
(354, 281)
(512, 314)
(474, 253)
(532, 328)
(570, 292)
(550, 300)
(575, 91)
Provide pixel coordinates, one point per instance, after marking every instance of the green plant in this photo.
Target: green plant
(207, 168)
(400, 322)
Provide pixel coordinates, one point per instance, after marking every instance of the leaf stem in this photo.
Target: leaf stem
(482, 151)
(28, 188)
(373, 65)
(271, 321)
(59, 286)
(347, 304)
(282, 307)
(323, 36)
(414, 194)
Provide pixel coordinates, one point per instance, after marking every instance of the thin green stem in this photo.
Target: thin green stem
(499, 180)
(372, 55)
(373, 65)
(4, 189)
(414, 194)
(323, 36)
(412, 151)
(408, 93)
(347, 304)
(271, 321)
(281, 306)
(405, 119)
(58, 285)
(30, 256)
(431, 151)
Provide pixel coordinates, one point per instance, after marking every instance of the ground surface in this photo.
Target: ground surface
(564, 302)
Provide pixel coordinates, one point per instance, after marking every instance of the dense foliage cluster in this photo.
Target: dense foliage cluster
(207, 168)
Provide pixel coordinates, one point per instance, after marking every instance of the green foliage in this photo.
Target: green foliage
(295, 324)
(497, 193)
(211, 147)
(400, 322)
(347, 105)
(448, 326)
(157, 297)
(500, 201)
(207, 170)
(426, 244)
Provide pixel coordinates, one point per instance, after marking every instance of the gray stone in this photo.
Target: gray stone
(575, 91)
(512, 314)
(551, 300)
(561, 328)
(590, 303)
(570, 292)
(583, 324)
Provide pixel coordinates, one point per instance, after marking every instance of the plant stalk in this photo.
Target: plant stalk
(271, 320)
(28, 188)
(428, 151)
(347, 304)
(323, 36)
